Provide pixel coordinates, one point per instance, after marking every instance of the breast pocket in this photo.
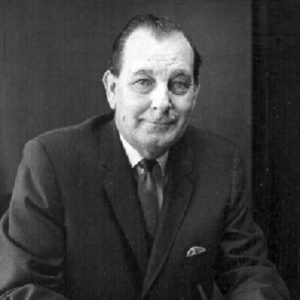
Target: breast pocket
(198, 269)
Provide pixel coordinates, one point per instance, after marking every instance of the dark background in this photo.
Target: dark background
(53, 54)
(276, 126)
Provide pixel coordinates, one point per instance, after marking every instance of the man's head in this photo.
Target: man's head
(152, 84)
(160, 26)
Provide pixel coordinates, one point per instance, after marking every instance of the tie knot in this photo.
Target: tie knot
(147, 164)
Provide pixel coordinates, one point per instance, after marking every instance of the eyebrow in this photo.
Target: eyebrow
(143, 72)
(175, 73)
(181, 72)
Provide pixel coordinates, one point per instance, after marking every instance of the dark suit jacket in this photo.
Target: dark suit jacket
(75, 228)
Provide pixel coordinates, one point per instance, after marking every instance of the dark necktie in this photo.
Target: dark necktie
(147, 192)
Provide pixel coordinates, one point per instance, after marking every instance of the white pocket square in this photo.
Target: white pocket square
(195, 251)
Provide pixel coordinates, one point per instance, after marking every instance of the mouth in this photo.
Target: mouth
(160, 122)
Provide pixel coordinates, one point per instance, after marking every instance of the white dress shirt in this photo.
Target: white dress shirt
(134, 158)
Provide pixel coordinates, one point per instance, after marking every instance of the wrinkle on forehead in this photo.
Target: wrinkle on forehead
(168, 57)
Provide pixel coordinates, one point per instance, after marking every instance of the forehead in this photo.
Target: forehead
(143, 50)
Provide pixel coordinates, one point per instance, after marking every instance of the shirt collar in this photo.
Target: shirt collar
(134, 156)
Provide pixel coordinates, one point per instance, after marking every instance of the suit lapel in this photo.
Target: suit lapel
(120, 188)
(176, 199)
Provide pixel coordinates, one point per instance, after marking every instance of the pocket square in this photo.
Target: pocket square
(195, 251)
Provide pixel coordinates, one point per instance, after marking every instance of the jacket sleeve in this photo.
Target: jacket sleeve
(32, 235)
(244, 271)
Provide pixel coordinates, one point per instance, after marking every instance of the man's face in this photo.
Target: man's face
(155, 93)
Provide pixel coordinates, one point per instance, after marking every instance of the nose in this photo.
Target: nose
(160, 98)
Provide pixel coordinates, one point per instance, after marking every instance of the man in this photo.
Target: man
(136, 204)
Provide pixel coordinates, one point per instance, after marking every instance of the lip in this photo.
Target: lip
(161, 123)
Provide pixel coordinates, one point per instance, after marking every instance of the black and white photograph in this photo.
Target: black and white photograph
(149, 150)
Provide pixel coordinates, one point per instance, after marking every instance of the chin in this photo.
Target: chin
(159, 145)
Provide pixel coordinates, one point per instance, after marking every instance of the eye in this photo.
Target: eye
(143, 85)
(179, 87)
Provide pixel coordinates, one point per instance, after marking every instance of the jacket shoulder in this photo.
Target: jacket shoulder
(66, 146)
(78, 133)
(202, 140)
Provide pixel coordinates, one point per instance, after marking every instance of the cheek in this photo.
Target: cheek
(128, 114)
(133, 108)
(184, 106)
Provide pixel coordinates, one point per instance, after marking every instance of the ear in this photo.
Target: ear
(196, 92)
(110, 81)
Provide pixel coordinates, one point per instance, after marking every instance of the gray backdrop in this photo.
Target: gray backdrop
(53, 54)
